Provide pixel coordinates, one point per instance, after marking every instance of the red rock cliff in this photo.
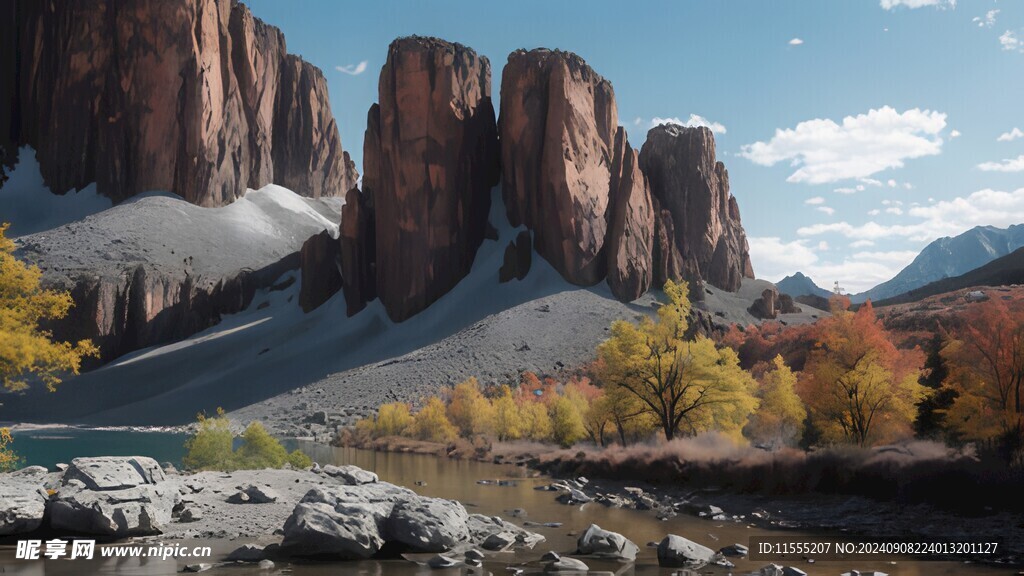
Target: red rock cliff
(431, 159)
(197, 97)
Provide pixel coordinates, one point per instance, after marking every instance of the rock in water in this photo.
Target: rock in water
(558, 122)
(351, 475)
(603, 543)
(435, 151)
(321, 270)
(689, 183)
(113, 496)
(678, 552)
(566, 565)
(347, 531)
(195, 97)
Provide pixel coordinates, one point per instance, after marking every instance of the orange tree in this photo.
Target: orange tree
(857, 385)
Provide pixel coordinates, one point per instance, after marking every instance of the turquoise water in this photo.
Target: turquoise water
(49, 446)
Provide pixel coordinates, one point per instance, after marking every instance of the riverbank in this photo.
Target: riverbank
(916, 492)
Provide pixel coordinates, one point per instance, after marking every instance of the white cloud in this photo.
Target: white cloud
(874, 212)
(986, 21)
(776, 259)
(796, 42)
(894, 210)
(1009, 41)
(891, 183)
(850, 189)
(814, 201)
(353, 69)
(871, 181)
(954, 134)
(638, 121)
(694, 121)
(825, 151)
(892, 4)
(943, 218)
(1011, 135)
(1007, 165)
(861, 244)
(827, 210)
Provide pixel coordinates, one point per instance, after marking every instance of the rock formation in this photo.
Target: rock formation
(196, 97)
(320, 262)
(631, 234)
(358, 249)
(558, 123)
(517, 260)
(693, 188)
(434, 156)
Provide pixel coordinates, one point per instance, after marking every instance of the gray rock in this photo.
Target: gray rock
(190, 515)
(473, 554)
(566, 565)
(252, 494)
(550, 556)
(428, 524)
(266, 565)
(678, 552)
(596, 541)
(351, 475)
(734, 550)
(22, 502)
(203, 567)
(113, 496)
(347, 531)
(442, 561)
(247, 553)
(499, 541)
(482, 528)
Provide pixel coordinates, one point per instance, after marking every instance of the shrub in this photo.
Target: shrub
(9, 460)
(566, 422)
(211, 448)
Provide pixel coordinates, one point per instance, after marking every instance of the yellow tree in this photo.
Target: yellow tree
(780, 417)
(689, 386)
(508, 423)
(8, 459)
(469, 410)
(431, 423)
(26, 351)
(566, 422)
(857, 386)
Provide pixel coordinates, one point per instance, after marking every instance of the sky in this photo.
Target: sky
(854, 132)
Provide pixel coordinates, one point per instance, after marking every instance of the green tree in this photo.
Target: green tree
(689, 386)
(779, 418)
(261, 450)
(211, 446)
(26, 350)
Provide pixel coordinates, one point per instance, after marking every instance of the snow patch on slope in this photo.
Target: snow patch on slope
(29, 205)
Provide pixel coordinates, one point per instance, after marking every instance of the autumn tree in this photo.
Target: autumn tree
(857, 386)
(469, 410)
(508, 423)
(431, 423)
(9, 460)
(28, 352)
(566, 422)
(986, 371)
(779, 418)
(689, 386)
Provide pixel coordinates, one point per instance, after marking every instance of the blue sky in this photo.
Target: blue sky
(897, 104)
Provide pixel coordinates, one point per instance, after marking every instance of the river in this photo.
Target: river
(459, 480)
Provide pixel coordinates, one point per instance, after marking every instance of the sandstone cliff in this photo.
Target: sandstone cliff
(431, 158)
(196, 97)
(692, 189)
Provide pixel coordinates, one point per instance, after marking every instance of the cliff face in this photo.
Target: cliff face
(196, 97)
(432, 146)
(692, 189)
(558, 122)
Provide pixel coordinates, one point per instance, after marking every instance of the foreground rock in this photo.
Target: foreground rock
(22, 500)
(114, 497)
(605, 544)
(678, 552)
(216, 104)
(435, 152)
(692, 189)
(357, 521)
